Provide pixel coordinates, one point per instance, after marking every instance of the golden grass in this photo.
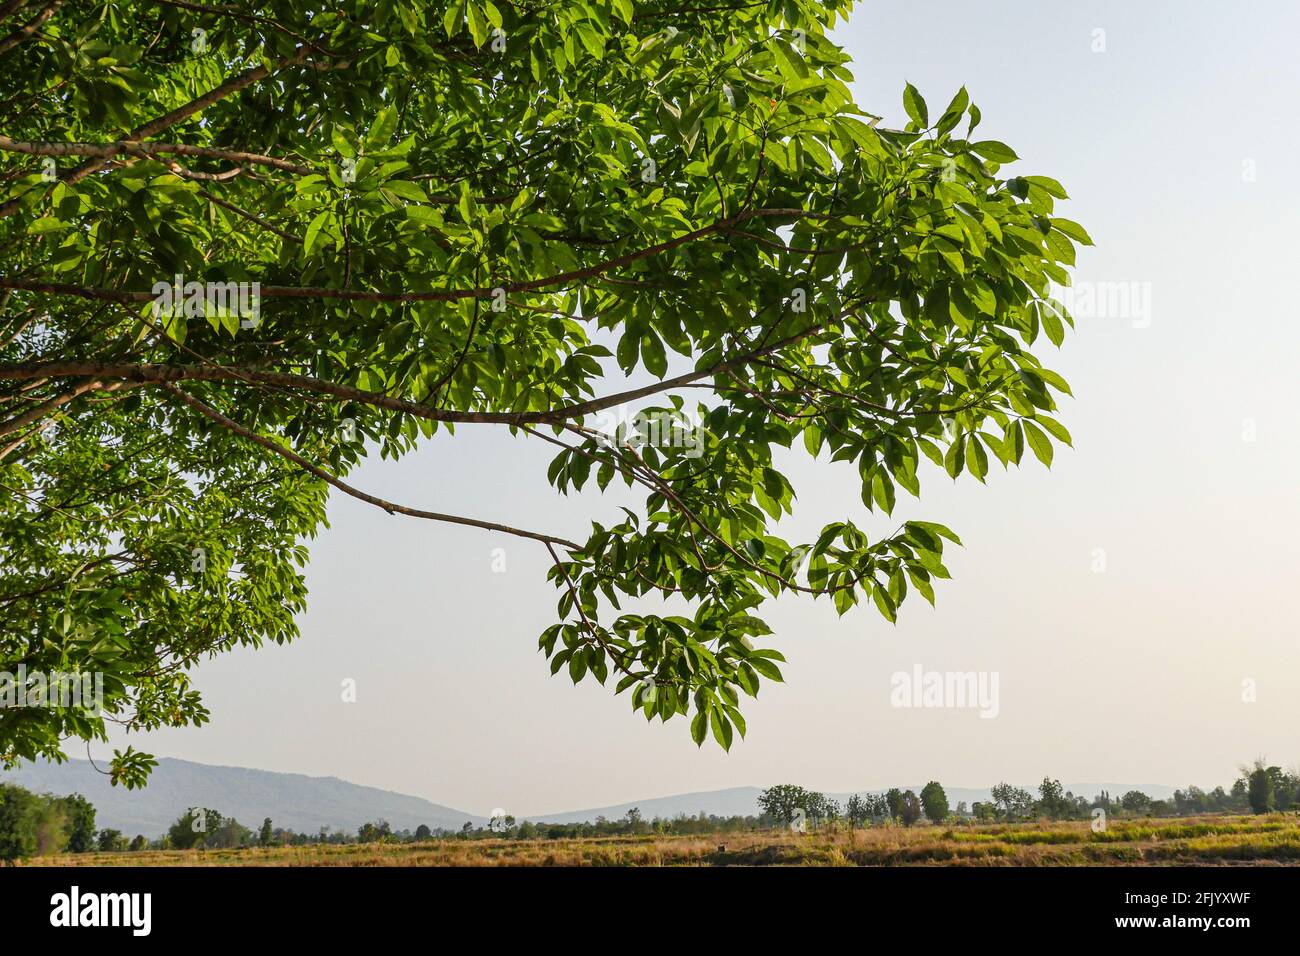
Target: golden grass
(1201, 840)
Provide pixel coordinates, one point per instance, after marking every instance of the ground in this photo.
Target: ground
(1274, 838)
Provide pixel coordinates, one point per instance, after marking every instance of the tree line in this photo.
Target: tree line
(1260, 788)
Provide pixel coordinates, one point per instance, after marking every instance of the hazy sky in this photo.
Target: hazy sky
(1178, 145)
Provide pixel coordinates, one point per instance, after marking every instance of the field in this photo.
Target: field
(1216, 840)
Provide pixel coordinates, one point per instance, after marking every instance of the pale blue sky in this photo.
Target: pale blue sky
(1134, 674)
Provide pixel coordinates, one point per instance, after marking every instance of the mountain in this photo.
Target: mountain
(291, 800)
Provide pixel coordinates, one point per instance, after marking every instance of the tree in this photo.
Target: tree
(782, 801)
(374, 832)
(228, 835)
(80, 816)
(422, 832)
(1013, 802)
(194, 828)
(1260, 789)
(894, 803)
(111, 841)
(821, 808)
(910, 810)
(934, 802)
(857, 811)
(984, 812)
(1135, 801)
(1052, 802)
(877, 806)
(139, 843)
(265, 836)
(20, 814)
(474, 205)
(1284, 787)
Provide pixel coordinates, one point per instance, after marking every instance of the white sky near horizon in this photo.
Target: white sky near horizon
(1178, 146)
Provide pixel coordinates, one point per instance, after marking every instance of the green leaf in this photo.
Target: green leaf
(914, 103)
(721, 727)
(478, 26)
(652, 354)
(1038, 442)
(1073, 230)
(312, 239)
(992, 149)
(699, 728)
(977, 459)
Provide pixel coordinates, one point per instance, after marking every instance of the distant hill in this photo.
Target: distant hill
(307, 803)
(291, 800)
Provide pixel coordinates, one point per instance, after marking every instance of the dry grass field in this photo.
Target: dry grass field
(1221, 840)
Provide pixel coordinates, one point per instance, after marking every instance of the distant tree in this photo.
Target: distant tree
(1013, 802)
(79, 815)
(266, 837)
(781, 801)
(467, 829)
(984, 812)
(877, 806)
(112, 841)
(194, 828)
(821, 808)
(911, 809)
(1284, 788)
(934, 802)
(857, 811)
(894, 802)
(139, 843)
(228, 835)
(1260, 789)
(422, 832)
(961, 809)
(1240, 799)
(1135, 801)
(1051, 799)
(374, 832)
(20, 814)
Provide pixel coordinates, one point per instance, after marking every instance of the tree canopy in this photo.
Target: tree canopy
(484, 214)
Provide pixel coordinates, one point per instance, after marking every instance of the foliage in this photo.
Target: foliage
(80, 815)
(374, 832)
(20, 813)
(780, 802)
(486, 215)
(910, 809)
(40, 824)
(197, 827)
(111, 841)
(1012, 802)
(934, 802)
(1261, 789)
